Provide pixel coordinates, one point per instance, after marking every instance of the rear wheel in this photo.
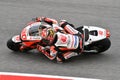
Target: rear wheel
(100, 46)
(13, 46)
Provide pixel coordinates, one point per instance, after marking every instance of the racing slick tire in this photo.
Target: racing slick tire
(100, 46)
(13, 46)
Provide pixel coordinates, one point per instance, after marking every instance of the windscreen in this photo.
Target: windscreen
(33, 31)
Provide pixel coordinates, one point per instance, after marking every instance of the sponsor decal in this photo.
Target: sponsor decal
(76, 41)
(100, 33)
(63, 38)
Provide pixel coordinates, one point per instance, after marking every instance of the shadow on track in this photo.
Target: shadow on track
(35, 55)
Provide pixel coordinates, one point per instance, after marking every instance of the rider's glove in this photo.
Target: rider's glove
(53, 52)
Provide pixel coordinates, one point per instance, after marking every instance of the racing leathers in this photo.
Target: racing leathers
(63, 46)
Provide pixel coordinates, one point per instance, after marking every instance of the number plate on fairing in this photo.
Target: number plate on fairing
(16, 38)
(95, 34)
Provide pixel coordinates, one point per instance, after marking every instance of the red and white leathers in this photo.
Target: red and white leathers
(64, 46)
(72, 43)
(69, 28)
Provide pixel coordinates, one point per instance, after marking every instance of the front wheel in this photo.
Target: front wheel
(13, 46)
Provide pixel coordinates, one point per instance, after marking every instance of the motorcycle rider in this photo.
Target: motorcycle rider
(58, 40)
(62, 46)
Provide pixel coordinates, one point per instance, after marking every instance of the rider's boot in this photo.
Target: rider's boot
(68, 55)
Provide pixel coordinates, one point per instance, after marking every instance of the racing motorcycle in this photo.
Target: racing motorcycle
(96, 39)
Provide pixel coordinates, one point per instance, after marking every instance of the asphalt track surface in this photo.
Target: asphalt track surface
(14, 14)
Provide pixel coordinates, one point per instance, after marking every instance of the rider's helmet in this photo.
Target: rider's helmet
(47, 33)
(43, 30)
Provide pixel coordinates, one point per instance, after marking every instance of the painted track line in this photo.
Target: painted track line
(25, 76)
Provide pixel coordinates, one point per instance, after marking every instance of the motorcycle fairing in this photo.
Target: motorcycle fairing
(16, 39)
(30, 32)
(94, 34)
